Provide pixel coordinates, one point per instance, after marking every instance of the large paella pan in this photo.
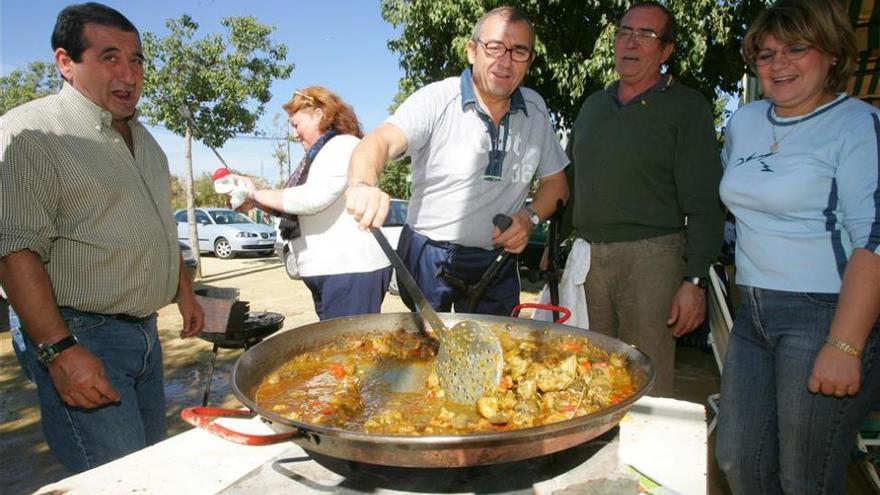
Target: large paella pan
(447, 450)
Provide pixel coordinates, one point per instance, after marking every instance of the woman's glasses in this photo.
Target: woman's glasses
(791, 52)
(300, 93)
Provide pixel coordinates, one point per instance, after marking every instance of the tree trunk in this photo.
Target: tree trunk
(190, 202)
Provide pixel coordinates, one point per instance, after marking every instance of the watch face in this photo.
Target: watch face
(45, 353)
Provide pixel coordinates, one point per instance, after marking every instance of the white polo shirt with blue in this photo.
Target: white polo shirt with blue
(465, 170)
(802, 206)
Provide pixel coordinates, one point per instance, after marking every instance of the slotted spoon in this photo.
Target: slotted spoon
(469, 359)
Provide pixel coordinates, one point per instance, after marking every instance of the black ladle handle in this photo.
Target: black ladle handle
(409, 284)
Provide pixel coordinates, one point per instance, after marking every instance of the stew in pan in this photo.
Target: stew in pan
(385, 384)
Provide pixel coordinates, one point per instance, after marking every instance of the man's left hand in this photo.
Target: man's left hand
(516, 237)
(192, 313)
(688, 309)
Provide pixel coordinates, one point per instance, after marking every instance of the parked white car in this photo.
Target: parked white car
(226, 233)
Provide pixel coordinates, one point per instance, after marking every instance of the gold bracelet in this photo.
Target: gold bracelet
(844, 346)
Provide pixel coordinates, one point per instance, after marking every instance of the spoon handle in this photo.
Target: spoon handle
(410, 285)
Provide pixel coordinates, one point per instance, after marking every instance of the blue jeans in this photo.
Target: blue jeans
(85, 438)
(349, 294)
(774, 436)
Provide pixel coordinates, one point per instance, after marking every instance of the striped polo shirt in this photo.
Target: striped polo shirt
(99, 217)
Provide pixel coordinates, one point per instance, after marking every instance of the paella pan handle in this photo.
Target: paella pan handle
(204, 417)
(566, 313)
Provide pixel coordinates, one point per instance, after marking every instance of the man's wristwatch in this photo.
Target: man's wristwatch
(700, 282)
(46, 353)
(533, 216)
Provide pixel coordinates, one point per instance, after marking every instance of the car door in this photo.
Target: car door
(207, 231)
(202, 221)
(182, 227)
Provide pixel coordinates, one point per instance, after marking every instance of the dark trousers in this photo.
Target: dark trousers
(427, 260)
(349, 294)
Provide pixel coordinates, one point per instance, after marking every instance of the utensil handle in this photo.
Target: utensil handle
(503, 222)
(203, 417)
(409, 284)
(566, 313)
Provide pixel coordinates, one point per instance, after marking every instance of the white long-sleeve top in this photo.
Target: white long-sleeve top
(330, 243)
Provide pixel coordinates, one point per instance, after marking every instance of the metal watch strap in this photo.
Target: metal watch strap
(533, 216)
(698, 281)
(46, 353)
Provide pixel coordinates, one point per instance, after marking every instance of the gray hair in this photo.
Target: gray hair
(507, 13)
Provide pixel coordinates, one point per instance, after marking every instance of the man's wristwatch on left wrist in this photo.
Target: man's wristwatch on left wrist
(700, 282)
(46, 353)
(534, 218)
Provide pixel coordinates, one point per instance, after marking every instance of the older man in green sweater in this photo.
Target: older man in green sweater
(644, 185)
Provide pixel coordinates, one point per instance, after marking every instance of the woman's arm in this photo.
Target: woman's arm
(836, 372)
(327, 181)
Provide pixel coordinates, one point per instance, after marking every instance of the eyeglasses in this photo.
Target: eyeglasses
(624, 33)
(300, 93)
(791, 52)
(496, 49)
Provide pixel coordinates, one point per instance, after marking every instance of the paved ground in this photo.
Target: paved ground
(27, 464)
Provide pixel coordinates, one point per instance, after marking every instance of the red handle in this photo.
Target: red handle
(204, 417)
(566, 313)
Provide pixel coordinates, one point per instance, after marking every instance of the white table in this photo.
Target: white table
(664, 439)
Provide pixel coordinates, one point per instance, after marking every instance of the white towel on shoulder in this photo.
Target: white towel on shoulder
(571, 287)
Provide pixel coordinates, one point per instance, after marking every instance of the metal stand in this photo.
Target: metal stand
(258, 326)
(210, 377)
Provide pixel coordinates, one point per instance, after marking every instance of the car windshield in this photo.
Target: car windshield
(396, 214)
(228, 216)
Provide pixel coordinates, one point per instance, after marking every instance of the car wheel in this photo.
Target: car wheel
(222, 248)
(290, 265)
(392, 286)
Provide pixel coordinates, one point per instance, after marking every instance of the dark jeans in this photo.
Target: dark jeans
(82, 439)
(774, 436)
(425, 258)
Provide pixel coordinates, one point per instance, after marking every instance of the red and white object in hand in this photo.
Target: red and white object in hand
(226, 183)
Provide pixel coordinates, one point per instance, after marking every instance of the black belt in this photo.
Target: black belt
(127, 318)
(120, 316)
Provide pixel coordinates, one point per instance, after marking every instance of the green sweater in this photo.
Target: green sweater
(646, 169)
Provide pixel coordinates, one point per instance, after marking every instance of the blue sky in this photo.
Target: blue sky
(340, 44)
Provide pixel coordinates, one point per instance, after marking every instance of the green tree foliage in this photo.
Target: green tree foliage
(574, 44)
(395, 179)
(223, 81)
(21, 86)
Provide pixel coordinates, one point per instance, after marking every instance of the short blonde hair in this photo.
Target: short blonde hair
(337, 113)
(822, 24)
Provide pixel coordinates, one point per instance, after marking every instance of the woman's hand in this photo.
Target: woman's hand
(246, 207)
(835, 373)
(247, 182)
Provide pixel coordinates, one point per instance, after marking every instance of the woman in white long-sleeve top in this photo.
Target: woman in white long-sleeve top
(343, 266)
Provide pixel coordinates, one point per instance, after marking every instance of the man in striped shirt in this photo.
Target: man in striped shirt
(88, 244)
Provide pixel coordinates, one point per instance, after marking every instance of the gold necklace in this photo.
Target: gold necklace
(775, 146)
